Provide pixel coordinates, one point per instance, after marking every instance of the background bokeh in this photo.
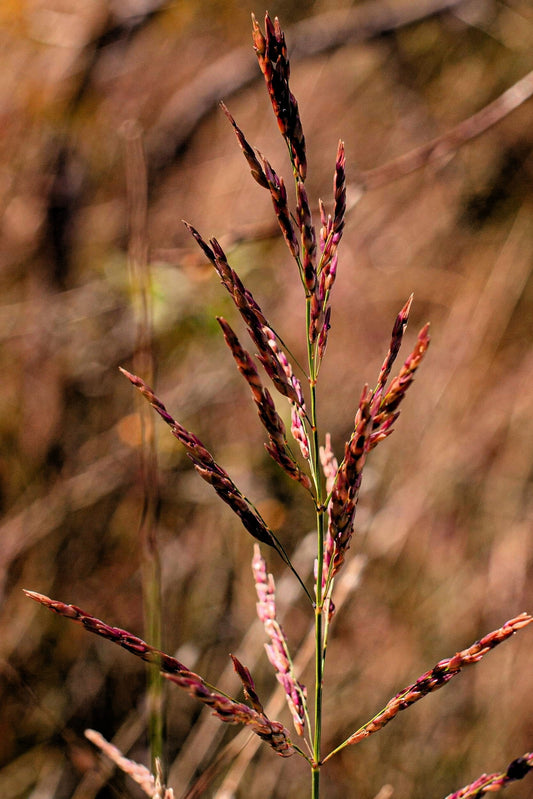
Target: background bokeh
(444, 548)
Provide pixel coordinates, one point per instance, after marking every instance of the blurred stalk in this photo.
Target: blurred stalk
(143, 364)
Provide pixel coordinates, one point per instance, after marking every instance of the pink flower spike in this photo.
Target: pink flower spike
(278, 650)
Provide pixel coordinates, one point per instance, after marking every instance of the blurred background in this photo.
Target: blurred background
(444, 547)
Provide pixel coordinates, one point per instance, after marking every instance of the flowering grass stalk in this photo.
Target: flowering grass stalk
(306, 456)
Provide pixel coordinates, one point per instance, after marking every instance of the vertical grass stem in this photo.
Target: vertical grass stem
(143, 362)
(319, 647)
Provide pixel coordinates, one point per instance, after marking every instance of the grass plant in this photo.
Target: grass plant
(305, 455)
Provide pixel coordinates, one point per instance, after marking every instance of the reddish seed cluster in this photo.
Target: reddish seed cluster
(330, 468)
(488, 783)
(225, 708)
(274, 63)
(392, 397)
(277, 447)
(398, 331)
(251, 313)
(329, 239)
(345, 492)
(318, 279)
(247, 684)
(308, 238)
(278, 194)
(273, 359)
(439, 676)
(256, 169)
(208, 468)
(373, 423)
(232, 712)
(297, 408)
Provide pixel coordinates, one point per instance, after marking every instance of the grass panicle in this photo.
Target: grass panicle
(333, 487)
(271, 52)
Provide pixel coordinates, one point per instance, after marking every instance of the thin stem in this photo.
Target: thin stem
(315, 784)
(319, 645)
(319, 634)
(140, 281)
(328, 587)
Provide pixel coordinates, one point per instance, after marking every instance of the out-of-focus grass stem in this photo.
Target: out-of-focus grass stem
(143, 363)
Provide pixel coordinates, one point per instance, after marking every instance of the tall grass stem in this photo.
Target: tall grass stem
(143, 360)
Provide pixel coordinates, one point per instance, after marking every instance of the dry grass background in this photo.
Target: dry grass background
(445, 515)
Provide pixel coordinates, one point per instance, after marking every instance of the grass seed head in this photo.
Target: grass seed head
(272, 56)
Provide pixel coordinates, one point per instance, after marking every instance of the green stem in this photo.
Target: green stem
(152, 609)
(151, 580)
(319, 630)
(319, 655)
(315, 785)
